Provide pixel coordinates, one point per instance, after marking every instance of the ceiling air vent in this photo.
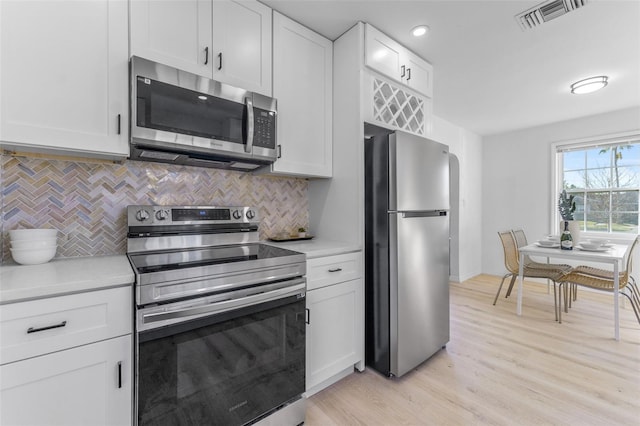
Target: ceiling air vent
(547, 11)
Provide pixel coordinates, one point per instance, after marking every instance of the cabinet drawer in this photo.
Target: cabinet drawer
(324, 271)
(43, 326)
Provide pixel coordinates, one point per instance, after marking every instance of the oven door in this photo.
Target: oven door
(231, 367)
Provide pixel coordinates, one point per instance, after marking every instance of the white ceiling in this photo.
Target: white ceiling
(490, 76)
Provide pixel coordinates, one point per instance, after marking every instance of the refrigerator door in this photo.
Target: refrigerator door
(419, 287)
(418, 173)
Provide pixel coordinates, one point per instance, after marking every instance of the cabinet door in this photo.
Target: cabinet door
(384, 54)
(242, 44)
(87, 385)
(335, 333)
(302, 83)
(64, 77)
(173, 32)
(419, 74)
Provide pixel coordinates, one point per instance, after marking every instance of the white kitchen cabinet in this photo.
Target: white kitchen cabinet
(67, 360)
(173, 32)
(393, 60)
(302, 84)
(86, 385)
(242, 44)
(335, 332)
(227, 40)
(64, 77)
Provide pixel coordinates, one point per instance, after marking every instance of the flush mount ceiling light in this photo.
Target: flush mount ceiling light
(589, 85)
(420, 30)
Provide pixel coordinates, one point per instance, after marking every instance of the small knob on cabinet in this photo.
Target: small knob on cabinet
(236, 214)
(250, 214)
(142, 215)
(162, 215)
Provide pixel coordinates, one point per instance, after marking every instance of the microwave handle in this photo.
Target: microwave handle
(249, 146)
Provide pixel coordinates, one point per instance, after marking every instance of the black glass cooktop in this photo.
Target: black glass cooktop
(189, 258)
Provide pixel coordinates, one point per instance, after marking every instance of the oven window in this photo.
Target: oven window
(171, 108)
(226, 373)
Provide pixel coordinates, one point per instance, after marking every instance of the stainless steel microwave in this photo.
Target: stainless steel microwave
(183, 118)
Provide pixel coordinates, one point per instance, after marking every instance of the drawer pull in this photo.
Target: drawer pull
(335, 270)
(308, 321)
(119, 374)
(35, 330)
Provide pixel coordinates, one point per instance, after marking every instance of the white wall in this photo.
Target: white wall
(517, 177)
(467, 147)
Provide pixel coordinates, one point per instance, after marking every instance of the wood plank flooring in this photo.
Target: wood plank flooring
(501, 369)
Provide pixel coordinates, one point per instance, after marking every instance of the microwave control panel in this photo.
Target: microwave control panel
(264, 128)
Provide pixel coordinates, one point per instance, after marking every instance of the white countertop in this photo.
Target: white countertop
(317, 247)
(63, 276)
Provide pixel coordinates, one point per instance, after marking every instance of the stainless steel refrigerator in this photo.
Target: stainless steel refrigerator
(406, 249)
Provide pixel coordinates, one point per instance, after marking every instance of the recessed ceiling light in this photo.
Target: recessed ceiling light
(589, 85)
(420, 30)
(202, 97)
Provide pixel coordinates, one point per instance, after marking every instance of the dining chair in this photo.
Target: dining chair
(521, 241)
(603, 279)
(512, 263)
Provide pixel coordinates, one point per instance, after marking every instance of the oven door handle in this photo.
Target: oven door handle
(298, 287)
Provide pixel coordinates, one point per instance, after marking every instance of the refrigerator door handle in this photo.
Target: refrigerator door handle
(432, 213)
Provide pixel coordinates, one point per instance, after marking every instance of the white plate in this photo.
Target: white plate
(579, 247)
(555, 245)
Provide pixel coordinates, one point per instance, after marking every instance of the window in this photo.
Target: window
(604, 177)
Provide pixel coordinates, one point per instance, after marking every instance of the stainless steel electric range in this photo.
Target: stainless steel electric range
(220, 319)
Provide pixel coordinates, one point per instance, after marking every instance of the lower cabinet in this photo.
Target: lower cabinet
(335, 317)
(86, 385)
(334, 332)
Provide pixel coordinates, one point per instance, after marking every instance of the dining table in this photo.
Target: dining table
(613, 254)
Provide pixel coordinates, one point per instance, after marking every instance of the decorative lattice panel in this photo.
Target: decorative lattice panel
(398, 108)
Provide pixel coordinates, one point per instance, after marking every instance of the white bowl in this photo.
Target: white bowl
(547, 243)
(554, 238)
(599, 241)
(33, 256)
(28, 244)
(32, 234)
(590, 246)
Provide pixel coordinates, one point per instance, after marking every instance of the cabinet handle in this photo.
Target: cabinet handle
(206, 55)
(220, 61)
(119, 119)
(308, 320)
(408, 74)
(119, 374)
(335, 270)
(279, 151)
(35, 330)
(402, 70)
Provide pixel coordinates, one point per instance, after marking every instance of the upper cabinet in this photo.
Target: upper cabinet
(175, 32)
(302, 84)
(64, 77)
(391, 59)
(227, 40)
(242, 44)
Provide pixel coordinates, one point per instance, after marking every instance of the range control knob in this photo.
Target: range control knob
(250, 214)
(142, 215)
(162, 215)
(236, 214)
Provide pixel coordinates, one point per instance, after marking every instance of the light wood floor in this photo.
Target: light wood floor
(502, 369)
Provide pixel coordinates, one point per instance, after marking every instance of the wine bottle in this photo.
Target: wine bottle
(566, 241)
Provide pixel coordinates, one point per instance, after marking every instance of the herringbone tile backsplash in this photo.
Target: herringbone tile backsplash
(87, 202)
